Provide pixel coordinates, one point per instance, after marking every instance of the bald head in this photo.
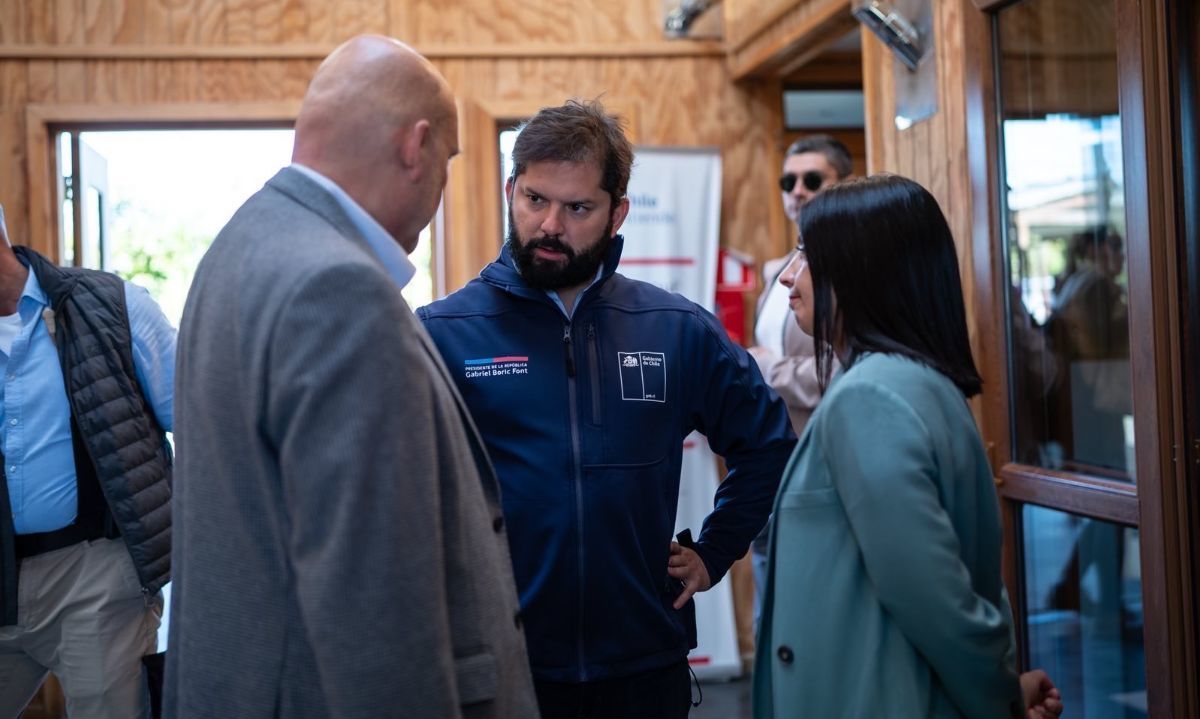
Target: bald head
(375, 118)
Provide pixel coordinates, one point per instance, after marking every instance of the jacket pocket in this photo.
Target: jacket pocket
(476, 678)
(594, 374)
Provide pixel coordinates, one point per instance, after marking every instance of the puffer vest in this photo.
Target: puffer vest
(115, 424)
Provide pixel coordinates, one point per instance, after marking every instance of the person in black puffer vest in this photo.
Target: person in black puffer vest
(87, 362)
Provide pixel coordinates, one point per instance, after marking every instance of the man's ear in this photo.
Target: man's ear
(508, 189)
(619, 213)
(412, 142)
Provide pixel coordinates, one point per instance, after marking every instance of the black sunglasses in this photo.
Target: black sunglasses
(812, 181)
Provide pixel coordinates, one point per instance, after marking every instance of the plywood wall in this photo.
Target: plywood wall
(155, 52)
(934, 151)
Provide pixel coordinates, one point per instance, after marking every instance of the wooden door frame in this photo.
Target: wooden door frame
(1158, 504)
(1185, 109)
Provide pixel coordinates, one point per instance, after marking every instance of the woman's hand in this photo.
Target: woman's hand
(1042, 699)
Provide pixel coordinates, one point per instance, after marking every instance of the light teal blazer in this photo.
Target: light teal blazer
(884, 596)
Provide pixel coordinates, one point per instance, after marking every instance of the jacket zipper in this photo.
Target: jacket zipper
(568, 351)
(569, 354)
(594, 361)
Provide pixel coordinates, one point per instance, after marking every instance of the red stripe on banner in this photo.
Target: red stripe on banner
(658, 261)
(699, 660)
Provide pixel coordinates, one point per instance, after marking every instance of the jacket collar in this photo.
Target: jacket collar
(502, 273)
(50, 284)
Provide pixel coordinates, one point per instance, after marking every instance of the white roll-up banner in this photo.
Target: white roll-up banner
(671, 239)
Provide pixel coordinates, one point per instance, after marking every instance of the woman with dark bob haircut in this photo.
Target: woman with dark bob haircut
(884, 596)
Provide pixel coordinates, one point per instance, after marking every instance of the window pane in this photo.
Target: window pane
(1084, 605)
(66, 252)
(1064, 236)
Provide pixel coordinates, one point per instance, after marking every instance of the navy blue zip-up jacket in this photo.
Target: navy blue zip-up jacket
(585, 420)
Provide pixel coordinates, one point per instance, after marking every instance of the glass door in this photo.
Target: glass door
(1081, 371)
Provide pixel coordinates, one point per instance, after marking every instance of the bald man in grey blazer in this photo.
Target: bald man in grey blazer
(339, 547)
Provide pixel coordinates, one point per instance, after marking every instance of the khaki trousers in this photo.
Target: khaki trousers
(81, 614)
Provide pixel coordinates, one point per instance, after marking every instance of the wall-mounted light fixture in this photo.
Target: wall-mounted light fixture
(890, 26)
(679, 20)
(906, 27)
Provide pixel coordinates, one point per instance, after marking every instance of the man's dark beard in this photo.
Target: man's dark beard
(579, 268)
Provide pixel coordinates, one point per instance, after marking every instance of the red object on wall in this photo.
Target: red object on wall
(735, 278)
(731, 311)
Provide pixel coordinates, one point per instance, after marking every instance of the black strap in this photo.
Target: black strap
(31, 545)
(700, 692)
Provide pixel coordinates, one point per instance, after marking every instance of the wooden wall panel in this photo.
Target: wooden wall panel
(353, 17)
(788, 36)
(680, 99)
(239, 21)
(40, 17)
(211, 19)
(99, 22)
(156, 21)
(70, 80)
(126, 18)
(14, 94)
(42, 81)
(747, 18)
(541, 22)
(68, 21)
(10, 23)
(934, 151)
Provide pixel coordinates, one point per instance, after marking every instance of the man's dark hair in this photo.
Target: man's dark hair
(881, 247)
(832, 148)
(578, 132)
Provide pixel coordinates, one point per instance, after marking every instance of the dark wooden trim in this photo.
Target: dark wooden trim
(1077, 494)
(988, 265)
(1012, 561)
(1186, 60)
(1143, 61)
(988, 259)
(1180, 30)
(992, 6)
(76, 200)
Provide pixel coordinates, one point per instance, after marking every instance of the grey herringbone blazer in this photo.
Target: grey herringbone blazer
(339, 548)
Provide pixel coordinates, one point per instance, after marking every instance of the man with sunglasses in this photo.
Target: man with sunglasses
(783, 351)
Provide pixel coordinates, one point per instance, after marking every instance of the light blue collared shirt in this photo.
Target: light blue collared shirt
(35, 418)
(558, 300)
(386, 248)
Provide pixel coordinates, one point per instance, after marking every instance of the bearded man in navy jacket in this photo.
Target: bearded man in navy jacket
(584, 384)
